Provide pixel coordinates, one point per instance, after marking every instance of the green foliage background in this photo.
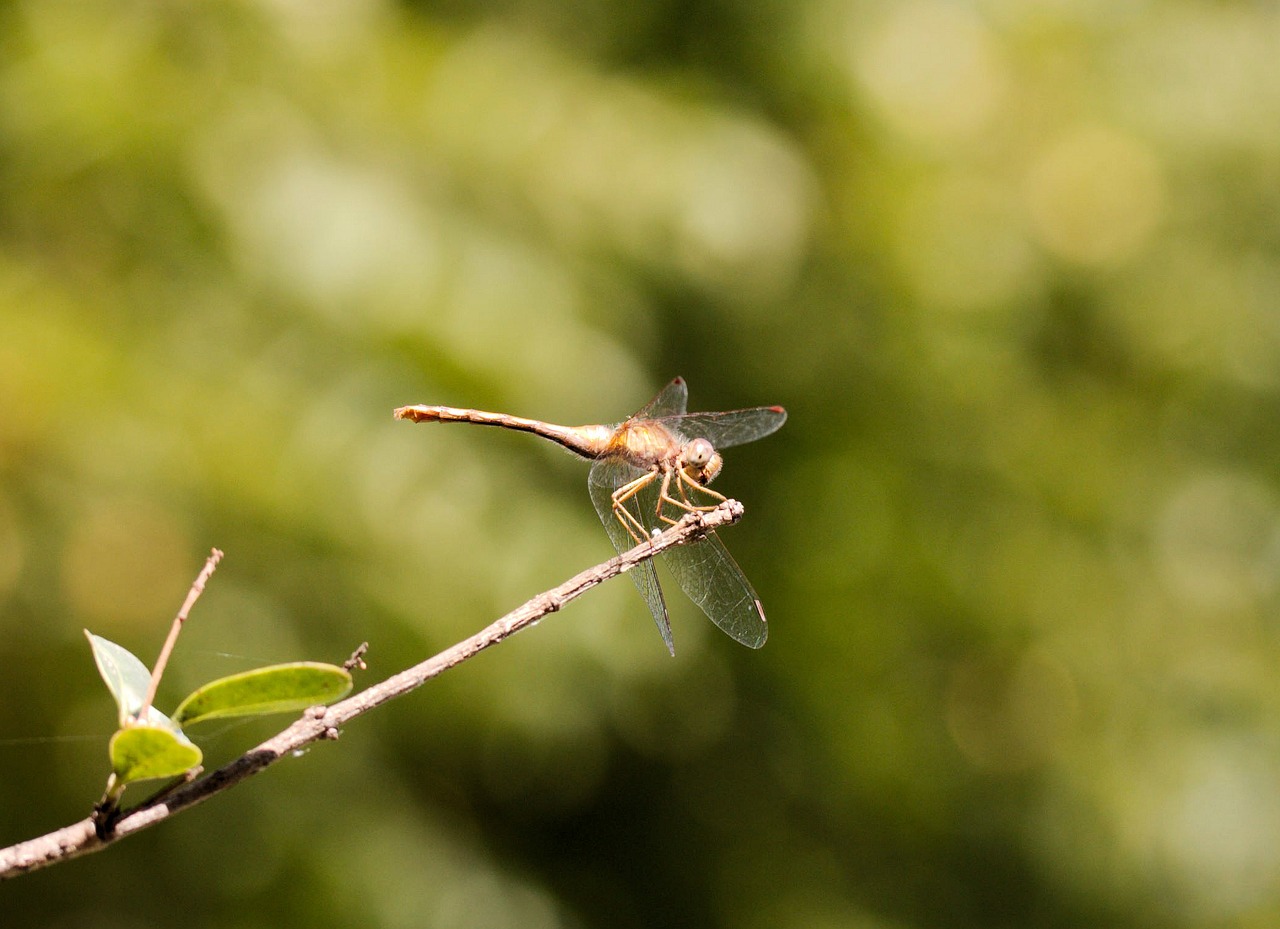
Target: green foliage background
(1013, 268)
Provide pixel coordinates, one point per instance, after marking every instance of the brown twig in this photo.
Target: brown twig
(356, 661)
(325, 722)
(197, 588)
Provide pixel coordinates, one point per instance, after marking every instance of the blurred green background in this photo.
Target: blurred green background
(1014, 270)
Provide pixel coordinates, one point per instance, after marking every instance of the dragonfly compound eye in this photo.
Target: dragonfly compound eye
(698, 453)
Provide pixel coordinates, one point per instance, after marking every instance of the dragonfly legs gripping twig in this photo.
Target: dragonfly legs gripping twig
(684, 503)
(628, 491)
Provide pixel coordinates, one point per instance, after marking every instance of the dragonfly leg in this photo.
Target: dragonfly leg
(683, 481)
(664, 497)
(686, 481)
(620, 510)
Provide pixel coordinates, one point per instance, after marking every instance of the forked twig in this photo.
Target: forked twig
(325, 722)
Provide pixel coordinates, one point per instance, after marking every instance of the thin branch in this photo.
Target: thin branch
(320, 722)
(197, 588)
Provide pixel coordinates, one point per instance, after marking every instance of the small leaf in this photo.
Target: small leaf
(126, 677)
(277, 689)
(141, 753)
(158, 720)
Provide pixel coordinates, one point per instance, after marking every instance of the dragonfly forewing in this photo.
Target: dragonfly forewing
(735, 427)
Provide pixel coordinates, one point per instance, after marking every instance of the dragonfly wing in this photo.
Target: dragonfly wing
(736, 427)
(671, 400)
(712, 579)
(606, 476)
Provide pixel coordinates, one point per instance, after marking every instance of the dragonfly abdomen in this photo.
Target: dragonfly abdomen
(587, 441)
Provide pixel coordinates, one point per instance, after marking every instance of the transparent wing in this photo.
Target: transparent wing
(671, 400)
(607, 475)
(712, 579)
(735, 427)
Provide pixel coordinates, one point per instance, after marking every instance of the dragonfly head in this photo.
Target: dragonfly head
(701, 461)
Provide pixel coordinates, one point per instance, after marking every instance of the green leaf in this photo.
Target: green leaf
(126, 677)
(277, 689)
(141, 753)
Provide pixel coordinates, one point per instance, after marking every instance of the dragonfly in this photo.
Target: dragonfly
(647, 472)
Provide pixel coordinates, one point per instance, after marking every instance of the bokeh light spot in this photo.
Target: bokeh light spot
(961, 244)
(1217, 542)
(1095, 195)
(932, 71)
(1217, 824)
